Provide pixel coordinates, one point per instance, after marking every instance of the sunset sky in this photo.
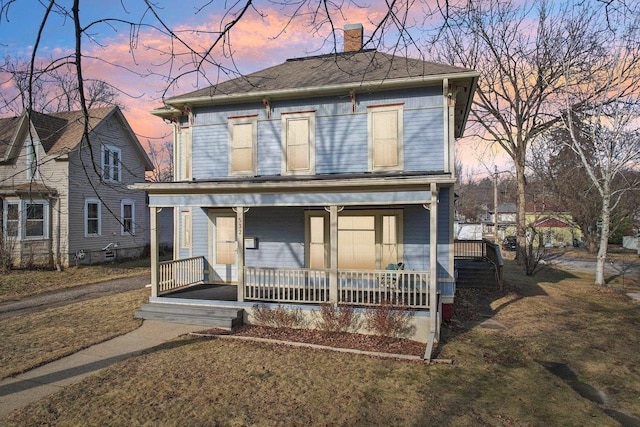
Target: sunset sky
(135, 59)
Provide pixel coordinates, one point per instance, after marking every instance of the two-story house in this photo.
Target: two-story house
(302, 183)
(64, 197)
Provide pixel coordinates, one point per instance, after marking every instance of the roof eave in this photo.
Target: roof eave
(280, 94)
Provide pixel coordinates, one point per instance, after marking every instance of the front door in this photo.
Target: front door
(224, 250)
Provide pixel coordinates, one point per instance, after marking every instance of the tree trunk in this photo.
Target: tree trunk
(521, 219)
(604, 238)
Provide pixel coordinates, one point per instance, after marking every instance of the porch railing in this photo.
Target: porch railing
(373, 287)
(286, 284)
(180, 273)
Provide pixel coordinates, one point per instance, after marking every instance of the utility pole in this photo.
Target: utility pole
(495, 205)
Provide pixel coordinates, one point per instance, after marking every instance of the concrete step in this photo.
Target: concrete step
(218, 317)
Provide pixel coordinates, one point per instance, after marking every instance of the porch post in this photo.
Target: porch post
(433, 253)
(240, 239)
(155, 252)
(333, 254)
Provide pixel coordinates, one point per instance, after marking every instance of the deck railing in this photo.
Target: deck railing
(180, 273)
(469, 249)
(286, 285)
(374, 287)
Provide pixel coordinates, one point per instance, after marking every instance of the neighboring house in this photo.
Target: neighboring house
(303, 182)
(507, 214)
(554, 226)
(64, 198)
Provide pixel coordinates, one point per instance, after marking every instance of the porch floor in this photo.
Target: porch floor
(206, 291)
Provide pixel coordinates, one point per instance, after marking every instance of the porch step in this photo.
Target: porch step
(217, 317)
(475, 274)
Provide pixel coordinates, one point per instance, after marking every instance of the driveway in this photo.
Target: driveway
(69, 296)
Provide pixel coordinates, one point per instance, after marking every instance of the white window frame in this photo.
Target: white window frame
(295, 116)
(111, 166)
(253, 121)
(86, 217)
(372, 111)
(186, 229)
(21, 229)
(184, 155)
(33, 170)
(132, 231)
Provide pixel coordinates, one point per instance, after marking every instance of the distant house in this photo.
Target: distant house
(64, 198)
(506, 216)
(308, 182)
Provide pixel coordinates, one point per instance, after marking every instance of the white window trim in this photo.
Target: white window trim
(186, 229)
(131, 202)
(285, 117)
(112, 149)
(31, 157)
(86, 218)
(372, 109)
(184, 157)
(22, 218)
(233, 121)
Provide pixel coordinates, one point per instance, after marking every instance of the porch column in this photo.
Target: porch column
(155, 252)
(240, 239)
(333, 254)
(433, 253)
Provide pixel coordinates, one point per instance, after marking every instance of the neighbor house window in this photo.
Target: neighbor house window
(385, 137)
(111, 163)
(298, 143)
(12, 219)
(92, 217)
(243, 137)
(34, 220)
(127, 215)
(32, 159)
(26, 219)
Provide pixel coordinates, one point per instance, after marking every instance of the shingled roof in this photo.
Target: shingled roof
(342, 69)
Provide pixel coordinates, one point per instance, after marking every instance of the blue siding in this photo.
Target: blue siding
(280, 234)
(416, 236)
(200, 226)
(341, 135)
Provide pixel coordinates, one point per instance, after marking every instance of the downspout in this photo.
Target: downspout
(58, 225)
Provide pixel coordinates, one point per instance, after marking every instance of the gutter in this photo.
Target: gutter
(315, 90)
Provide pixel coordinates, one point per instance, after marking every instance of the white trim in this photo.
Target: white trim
(30, 161)
(88, 201)
(132, 203)
(371, 111)
(22, 205)
(186, 229)
(232, 123)
(311, 118)
(111, 165)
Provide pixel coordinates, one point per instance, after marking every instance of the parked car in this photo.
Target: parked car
(509, 243)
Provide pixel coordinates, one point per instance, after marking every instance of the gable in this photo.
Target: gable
(8, 130)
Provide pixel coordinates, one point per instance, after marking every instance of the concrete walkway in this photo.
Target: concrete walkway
(17, 392)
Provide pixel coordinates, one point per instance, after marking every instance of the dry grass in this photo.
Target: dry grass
(31, 340)
(17, 284)
(498, 377)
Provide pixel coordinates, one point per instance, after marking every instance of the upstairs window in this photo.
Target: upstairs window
(32, 159)
(111, 164)
(183, 147)
(127, 217)
(298, 143)
(385, 137)
(92, 218)
(243, 138)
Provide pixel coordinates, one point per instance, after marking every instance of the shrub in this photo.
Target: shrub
(278, 317)
(389, 319)
(339, 318)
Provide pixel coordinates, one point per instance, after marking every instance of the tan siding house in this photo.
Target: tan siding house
(64, 197)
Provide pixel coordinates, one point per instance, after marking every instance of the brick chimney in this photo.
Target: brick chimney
(352, 37)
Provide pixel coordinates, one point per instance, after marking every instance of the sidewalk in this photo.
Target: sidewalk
(17, 392)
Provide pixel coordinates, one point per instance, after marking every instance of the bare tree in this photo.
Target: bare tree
(162, 159)
(524, 54)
